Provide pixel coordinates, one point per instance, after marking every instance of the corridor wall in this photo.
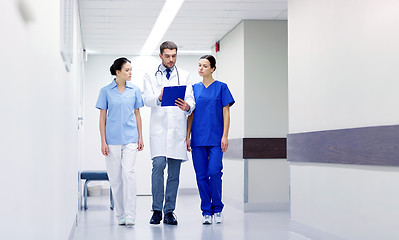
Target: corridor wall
(39, 111)
(343, 75)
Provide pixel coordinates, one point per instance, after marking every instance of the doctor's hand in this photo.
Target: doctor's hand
(104, 149)
(160, 96)
(225, 144)
(188, 143)
(140, 144)
(183, 105)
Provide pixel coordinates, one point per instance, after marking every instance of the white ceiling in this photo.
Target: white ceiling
(121, 27)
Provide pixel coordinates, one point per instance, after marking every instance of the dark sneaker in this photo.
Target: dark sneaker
(156, 217)
(170, 219)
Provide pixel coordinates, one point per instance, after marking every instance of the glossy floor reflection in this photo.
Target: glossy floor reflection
(99, 222)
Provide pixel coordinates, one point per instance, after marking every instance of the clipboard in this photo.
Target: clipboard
(170, 94)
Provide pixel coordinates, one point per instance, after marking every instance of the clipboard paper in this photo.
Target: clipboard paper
(170, 94)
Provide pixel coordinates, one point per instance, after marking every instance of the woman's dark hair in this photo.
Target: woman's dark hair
(118, 63)
(211, 60)
(167, 45)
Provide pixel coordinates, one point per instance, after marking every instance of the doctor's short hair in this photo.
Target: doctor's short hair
(211, 60)
(167, 45)
(118, 63)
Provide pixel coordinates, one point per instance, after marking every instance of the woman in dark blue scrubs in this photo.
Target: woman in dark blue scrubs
(209, 128)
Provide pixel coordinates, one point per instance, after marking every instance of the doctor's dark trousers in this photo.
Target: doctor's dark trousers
(172, 183)
(208, 167)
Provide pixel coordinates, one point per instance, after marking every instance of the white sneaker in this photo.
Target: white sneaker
(219, 217)
(207, 219)
(121, 221)
(130, 222)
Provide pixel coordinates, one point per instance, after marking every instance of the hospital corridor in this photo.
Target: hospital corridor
(98, 222)
(199, 119)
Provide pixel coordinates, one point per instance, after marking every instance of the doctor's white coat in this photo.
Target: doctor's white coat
(168, 125)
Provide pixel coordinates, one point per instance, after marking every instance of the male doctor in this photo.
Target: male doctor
(167, 131)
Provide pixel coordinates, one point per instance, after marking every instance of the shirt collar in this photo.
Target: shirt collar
(114, 85)
(163, 68)
(129, 84)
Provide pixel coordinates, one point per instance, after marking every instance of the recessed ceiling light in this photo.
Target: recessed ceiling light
(162, 24)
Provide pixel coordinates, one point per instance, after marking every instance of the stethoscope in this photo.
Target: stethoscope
(160, 71)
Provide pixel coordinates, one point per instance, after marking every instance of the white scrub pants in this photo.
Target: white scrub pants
(120, 164)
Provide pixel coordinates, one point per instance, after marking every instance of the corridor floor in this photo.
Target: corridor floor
(98, 222)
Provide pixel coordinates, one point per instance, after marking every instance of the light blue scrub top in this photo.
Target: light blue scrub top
(207, 127)
(121, 126)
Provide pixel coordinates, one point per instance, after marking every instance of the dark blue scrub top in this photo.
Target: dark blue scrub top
(207, 127)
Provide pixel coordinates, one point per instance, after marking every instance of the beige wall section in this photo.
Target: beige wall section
(38, 125)
(268, 181)
(230, 69)
(266, 79)
(253, 62)
(343, 73)
(266, 110)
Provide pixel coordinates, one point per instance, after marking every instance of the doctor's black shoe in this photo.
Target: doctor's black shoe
(170, 219)
(156, 217)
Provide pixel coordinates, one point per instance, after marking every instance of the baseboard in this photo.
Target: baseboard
(73, 229)
(312, 233)
(266, 207)
(256, 207)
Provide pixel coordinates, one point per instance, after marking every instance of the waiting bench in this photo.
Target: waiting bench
(95, 176)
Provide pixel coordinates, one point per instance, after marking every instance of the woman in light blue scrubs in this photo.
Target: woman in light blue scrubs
(121, 137)
(209, 128)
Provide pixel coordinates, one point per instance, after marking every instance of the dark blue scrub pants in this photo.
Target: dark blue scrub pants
(208, 167)
(172, 183)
